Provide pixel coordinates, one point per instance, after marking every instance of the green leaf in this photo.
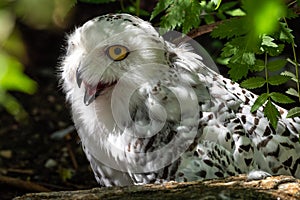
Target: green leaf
(286, 33)
(228, 50)
(280, 98)
(253, 82)
(184, 13)
(12, 76)
(289, 74)
(217, 3)
(209, 19)
(259, 101)
(246, 44)
(236, 12)
(227, 6)
(248, 58)
(242, 57)
(278, 79)
(271, 113)
(293, 92)
(268, 41)
(230, 28)
(65, 173)
(273, 51)
(192, 15)
(13, 107)
(276, 64)
(294, 112)
(237, 71)
(160, 6)
(258, 66)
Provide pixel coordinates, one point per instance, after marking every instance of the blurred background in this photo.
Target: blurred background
(38, 143)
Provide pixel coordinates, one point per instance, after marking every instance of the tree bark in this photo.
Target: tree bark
(237, 187)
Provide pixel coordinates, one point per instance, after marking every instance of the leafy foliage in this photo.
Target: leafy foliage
(13, 78)
(253, 44)
(252, 41)
(184, 13)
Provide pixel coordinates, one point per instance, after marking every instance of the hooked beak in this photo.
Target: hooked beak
(91, 91)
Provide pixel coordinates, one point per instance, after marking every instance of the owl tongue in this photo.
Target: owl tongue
(91, 92)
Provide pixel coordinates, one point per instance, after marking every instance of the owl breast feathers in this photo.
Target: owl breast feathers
(149, 111)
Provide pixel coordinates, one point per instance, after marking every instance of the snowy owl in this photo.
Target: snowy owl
(149, 111)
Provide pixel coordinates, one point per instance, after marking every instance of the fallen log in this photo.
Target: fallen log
(237, 187)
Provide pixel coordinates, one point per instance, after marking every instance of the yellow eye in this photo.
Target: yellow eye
(117, 52)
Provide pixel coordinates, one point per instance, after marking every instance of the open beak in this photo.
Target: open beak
(91, 91)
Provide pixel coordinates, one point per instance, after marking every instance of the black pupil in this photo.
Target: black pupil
(117, 51)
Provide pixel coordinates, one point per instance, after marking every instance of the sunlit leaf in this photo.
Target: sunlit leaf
(289, 74)
(236, 12)
(217, 3)
(228, 50)
(286, 33)
(294, 112)
(268, 41)
(12, 76)
(12, 106)
(293, 92)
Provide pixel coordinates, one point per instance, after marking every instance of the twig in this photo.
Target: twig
(197, 32)
(72, 156)
(204, 29)
(26, 185)
(18, 171)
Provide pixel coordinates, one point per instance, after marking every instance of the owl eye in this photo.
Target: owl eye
(117, 52)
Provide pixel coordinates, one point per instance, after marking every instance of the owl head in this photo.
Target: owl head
(103, 49)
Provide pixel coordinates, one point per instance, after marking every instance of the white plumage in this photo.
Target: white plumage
(148, 111)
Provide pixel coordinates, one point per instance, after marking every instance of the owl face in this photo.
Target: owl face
(103, 49)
